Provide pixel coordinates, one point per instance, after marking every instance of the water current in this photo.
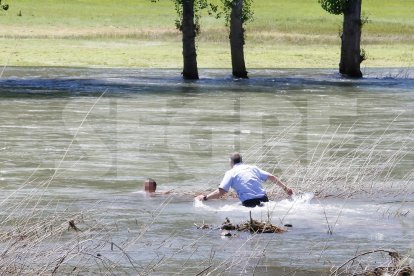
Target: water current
(77, 140)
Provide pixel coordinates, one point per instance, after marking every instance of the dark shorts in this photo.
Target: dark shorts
(255, 201)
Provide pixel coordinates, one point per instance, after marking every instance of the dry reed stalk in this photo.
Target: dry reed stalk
(395, 265)
(41, 236)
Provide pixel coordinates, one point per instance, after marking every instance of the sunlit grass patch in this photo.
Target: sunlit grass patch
(283, 34)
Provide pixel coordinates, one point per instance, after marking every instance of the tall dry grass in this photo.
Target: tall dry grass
(37, 236)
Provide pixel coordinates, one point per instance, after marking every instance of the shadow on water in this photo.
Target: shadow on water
(69, 82)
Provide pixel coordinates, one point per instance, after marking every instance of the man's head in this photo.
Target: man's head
(150, 185)
(235, 158)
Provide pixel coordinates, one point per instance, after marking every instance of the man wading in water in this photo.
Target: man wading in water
(247, 181)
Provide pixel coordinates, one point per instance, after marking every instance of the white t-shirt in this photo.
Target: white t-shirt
(246, 180)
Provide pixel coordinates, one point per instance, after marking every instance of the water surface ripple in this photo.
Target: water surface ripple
(64, 146)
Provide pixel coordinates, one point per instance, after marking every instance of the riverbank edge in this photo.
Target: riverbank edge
(131, 53)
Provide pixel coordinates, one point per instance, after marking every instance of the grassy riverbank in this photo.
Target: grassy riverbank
(284, 34)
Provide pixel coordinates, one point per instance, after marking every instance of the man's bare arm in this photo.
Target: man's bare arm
(217, 193)
(278, 182)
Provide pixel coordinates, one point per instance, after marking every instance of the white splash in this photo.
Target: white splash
(296, 200)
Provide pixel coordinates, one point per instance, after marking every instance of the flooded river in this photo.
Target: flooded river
(78, 144)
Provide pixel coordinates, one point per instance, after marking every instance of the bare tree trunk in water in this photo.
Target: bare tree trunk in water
(351, 41)
(237, 40)
(190, 70)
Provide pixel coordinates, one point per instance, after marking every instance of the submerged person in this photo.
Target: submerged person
(247, 181)
(150, 187)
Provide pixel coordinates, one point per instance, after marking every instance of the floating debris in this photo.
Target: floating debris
(227, 225)
(253, 226)
(72, 225)
(203, 226)
(228, 234)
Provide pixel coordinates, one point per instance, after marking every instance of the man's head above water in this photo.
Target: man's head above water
(235, 158)
(150, 185)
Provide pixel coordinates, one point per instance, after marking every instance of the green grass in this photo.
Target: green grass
(167, 54)
(296, 33)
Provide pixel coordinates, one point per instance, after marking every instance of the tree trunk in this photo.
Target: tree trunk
(237, 40)
(351, 41)
(190, 70)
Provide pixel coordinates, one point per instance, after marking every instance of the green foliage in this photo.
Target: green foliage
(364, 19)
(4, 6)
(247, 14)
(199, 5)
(362, 55)
(334, 6)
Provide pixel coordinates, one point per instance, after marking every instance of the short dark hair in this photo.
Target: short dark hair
(236, 158)
(152, 181)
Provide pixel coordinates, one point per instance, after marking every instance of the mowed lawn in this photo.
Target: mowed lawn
(139, 33)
